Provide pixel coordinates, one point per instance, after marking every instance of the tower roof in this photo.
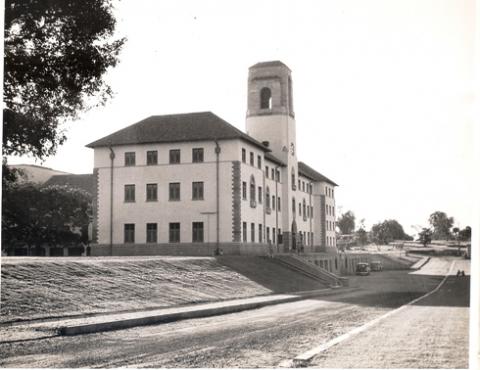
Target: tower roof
(198, 126)
(272, 63)
(309, 172)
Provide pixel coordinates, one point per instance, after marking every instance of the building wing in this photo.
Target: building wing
(309, 172)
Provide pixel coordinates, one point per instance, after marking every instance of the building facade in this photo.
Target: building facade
(193, 184)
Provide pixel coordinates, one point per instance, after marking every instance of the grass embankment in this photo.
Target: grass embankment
(35, 288)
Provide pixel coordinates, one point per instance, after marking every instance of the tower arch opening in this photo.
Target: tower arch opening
(265, 98)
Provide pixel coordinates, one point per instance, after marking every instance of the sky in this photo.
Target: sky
(383, 91)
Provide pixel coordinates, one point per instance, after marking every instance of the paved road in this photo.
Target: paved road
(256, 338)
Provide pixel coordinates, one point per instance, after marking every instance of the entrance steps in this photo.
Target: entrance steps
(309, 269)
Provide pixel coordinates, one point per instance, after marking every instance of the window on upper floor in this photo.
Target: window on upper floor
(244, 190)
(252, 232)
(252, 156)
(244, 231)
(259, 161)
(174, 156)
(152, 157)
(266, 172)
(273, 202)
(197, 190)
(267, 197)
(197, 155)
(260, 195)
(151, 192)
(129, 193)
(279, 204)
(278, 175)
(129, 158)
(244, 155)
(293, 179)
(174, 191)
(252, 192)
(265, 98)
(273, 174)
(293, 206)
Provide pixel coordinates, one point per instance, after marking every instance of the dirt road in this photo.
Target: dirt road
(257, 338)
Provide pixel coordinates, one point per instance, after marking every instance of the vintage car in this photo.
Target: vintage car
(362, 268)
(376, 266)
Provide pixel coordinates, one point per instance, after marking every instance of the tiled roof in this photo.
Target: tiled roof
(85, 182)
(274, 159)
(176, 128)
(309, 172)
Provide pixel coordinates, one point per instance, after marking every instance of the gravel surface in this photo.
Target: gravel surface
(257, 338)
(430, 334)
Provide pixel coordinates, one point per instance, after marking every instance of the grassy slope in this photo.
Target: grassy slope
(49, 287)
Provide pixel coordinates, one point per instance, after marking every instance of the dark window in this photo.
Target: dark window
(293, 205)
(304, 208)
(266, 171)
(293, 179)
(265, 98)
(259, 233)
(299, 185)
(130, 159)
(174, 232)
(278, 175)
(197, 155)
(252, 158)
(259, 162)
(279, 204)
(267, 197)
(273, 235)
(129, 193)
(244, 228)
(244, 190)
(303, 185)
(151, 233)
(151, 192)
(273, 174)
(174, 191)
(268, 235)
(244, 155)
(129, 233)
(174, 156)
(152, 157)
(197, 190)
(260, 195)
(252, 190)
(197, 232)
(300, 209)
(252, 231)
(273, 202)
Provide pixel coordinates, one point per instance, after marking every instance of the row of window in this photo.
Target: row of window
(173, 192)
(302, 185)
(329, 192)
(269, 172)
(330, 241)
(260, 234)
(174, 157)
(253, 196)
(331, 225)
(307, 209)
(329, 210)
(272, 173)
(173, 232)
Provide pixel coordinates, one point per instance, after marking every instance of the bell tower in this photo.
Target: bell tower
(270, 117)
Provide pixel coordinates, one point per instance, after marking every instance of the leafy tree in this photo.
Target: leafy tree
(441, 225)
(56, 54)
(346, 223)
(425, 236)
(465, 234)
(388, 231)
(361, 236)
(52, 215)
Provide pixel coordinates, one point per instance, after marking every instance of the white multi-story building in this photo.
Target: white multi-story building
(194, 184)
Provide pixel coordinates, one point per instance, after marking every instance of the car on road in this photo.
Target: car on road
(376, 266)
(362, 268)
